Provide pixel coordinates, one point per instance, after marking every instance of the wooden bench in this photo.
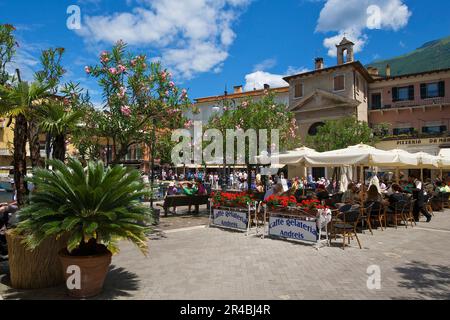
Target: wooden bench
(183, 201)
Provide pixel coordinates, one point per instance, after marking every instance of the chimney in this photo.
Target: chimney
(237, 89)
(373, 71)
(319, 63)
(266, 86)
(388, 71)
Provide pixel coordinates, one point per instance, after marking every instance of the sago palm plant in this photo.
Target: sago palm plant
(92, 206)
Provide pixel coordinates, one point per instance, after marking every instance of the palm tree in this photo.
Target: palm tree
(17, 101)
(57, 121)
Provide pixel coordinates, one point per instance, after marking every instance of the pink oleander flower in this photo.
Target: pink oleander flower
(164, 75)
(126, 111)
(122, 92)
(188, 124)
(122, 68)
(87, 69)
(171, 84)
(133, 62)
(113, 70)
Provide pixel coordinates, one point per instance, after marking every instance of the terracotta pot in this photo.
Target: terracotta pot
(93, 271)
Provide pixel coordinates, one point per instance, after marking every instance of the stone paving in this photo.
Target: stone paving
(209, 263)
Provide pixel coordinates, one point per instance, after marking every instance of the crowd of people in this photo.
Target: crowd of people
(381, 191)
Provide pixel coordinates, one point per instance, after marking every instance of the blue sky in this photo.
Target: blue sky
(210, 44)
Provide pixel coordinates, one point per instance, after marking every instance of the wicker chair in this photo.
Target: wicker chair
(345, 224)
(397, 214)
(377, 215)
(409, 213)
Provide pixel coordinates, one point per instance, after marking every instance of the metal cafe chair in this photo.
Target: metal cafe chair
(345, 224)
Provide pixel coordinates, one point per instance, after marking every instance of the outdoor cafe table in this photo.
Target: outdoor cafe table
(298, 225)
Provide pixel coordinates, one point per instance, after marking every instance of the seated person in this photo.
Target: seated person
(201, 189)
(189, 189)
(172, 189)
(351, 195)
(276, 190)
(322, 193)
(373, 195)
(396, 197)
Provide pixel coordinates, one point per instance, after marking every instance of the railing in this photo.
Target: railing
(413, 103)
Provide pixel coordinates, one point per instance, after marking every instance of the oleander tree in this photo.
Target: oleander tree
(140, 99)
(8, 46)
(258, 114)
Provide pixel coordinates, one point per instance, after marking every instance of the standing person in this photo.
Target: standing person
(420, 196)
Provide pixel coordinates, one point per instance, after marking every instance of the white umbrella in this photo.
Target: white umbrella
(405, 159)
(427, 160)
(296, 156)
(444, 159)
(359, 155)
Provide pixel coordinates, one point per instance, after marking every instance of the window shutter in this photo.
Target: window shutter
(411, 92)
(394, 94)
(442, 89)
(423, 91)
(443, 129)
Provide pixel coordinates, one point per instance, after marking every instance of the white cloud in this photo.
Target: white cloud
(353, 17)
(257, 79)
(192, 36)
(265, 65)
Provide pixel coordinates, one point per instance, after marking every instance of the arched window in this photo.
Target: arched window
(314, 128)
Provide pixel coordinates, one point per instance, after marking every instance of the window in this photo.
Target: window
(434, 129)
(339, 83)
(401, 131)
(376, 101)
(432, 90)
(403, 94)
(298, 90)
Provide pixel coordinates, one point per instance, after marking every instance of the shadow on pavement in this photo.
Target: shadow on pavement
(430, 281)
(119, 283)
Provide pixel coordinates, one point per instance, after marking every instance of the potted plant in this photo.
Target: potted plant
(280, 203)
(231, 200)
(94, 207)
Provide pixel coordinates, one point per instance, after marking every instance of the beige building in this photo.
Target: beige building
(330, 93)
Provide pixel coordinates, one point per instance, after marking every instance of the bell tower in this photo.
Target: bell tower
(345, 47)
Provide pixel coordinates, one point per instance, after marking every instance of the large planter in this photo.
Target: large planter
(93, 271)
(37, 269)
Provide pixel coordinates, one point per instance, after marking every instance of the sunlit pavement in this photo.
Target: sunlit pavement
(209, 263)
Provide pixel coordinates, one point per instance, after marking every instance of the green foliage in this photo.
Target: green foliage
(52, 69)
(139, 97)
(258, 114)
(21, 98)
(56, 119)
(91, 203)
(340, 134)
(7, 50)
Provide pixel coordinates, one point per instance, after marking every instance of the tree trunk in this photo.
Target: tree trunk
(20, 158)
(59, 148)
(120, 154)
(35, 147)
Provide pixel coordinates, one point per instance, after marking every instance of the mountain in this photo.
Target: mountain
(432, 55)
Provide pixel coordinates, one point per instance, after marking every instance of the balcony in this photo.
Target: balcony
(418, 103)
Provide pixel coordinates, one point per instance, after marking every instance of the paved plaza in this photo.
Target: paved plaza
(209, 263)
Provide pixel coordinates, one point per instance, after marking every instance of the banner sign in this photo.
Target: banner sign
(230, 219)
(292, 228)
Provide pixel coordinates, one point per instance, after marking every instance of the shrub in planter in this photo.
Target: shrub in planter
(94, 207)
